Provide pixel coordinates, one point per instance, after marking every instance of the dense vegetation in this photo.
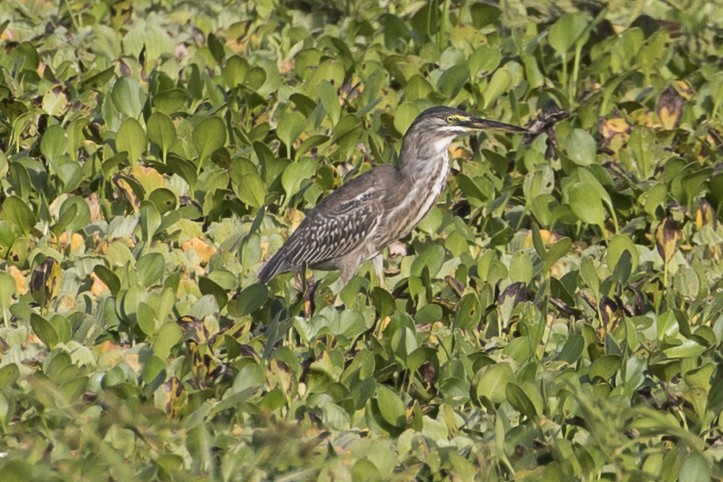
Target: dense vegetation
(557, 316)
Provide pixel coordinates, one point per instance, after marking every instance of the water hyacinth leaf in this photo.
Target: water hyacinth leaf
(555, 252)
(247, 184)
(150, 220)
(617, 245)
(521, 268)
(580, 147)
(251, 299)
(431, 258)
(108, 277)
(161, 132)
(128, 96)
(16, 212)
(290, 126)
(9, 375)
(131, 138)
(54, 143)
(167, 337)
(330, 100)
(492, 384)
(296, 173)
(163, 199)
(150, 268)
(405, 115)
(589, 275)
(500, 83)
(391, 406)
(208, 136)
(667, 235)
(469, 312)
(75, 214)
(586, 204)
(209, 287)
(453, 79)
(483, 14)
(517, 397)
(567, 31)
(62, 327)
(44, 330)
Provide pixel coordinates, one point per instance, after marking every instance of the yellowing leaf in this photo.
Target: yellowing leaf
(667, 235)
(148, 177)
(128, 192)
(670, 108)
(201, 248)
(21, 283)
(615, 126)
(98, 287)
(705, 215)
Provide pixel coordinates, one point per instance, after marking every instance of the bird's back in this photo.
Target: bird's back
(342, 223)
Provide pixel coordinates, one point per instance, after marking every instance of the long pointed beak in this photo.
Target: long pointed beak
(486, 124)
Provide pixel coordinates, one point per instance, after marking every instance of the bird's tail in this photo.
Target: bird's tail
(276, 265)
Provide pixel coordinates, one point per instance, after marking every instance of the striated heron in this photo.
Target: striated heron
(358, 220)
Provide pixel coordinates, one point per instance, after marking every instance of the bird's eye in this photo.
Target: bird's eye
(449, 119)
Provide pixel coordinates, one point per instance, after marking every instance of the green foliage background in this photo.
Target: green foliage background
(557, 316)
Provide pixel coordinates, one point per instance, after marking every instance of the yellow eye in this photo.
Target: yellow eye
(449, 119)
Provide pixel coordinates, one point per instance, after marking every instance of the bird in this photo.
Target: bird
(363, 216)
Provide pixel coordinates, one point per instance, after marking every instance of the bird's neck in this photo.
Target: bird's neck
(424, 173)
(424, 162)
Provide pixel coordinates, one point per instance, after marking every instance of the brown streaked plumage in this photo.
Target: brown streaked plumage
(358, 220)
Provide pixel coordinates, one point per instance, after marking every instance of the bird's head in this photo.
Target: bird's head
(439, 126)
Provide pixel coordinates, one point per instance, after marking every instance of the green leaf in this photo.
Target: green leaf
(108, 277)
(150, 268)
(208, 136)
(520, 401)
(16, 212)
(688, 349)
(296, 173)
(586, 204)
(555, 252)
(431, 257)
(617, 245)
(163, 199)
(391, 406)
(9, 374)
(330, 101)
(289, 127)
(150, 220)
(469, 312)
(405, 115)
(567, 31)
(209, 287)
(167, 337)
(128, 97)
(499, 84)
(44, 330)
(251, 299)
(695, 468)
(580, 147)
(54, 143)
(161, 132)
(492, 384)
(74, 213)
(483, 14)
(453, 79)
(131, 138)
(247, 184)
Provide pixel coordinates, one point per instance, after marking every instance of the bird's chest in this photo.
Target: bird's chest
(417, 198)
